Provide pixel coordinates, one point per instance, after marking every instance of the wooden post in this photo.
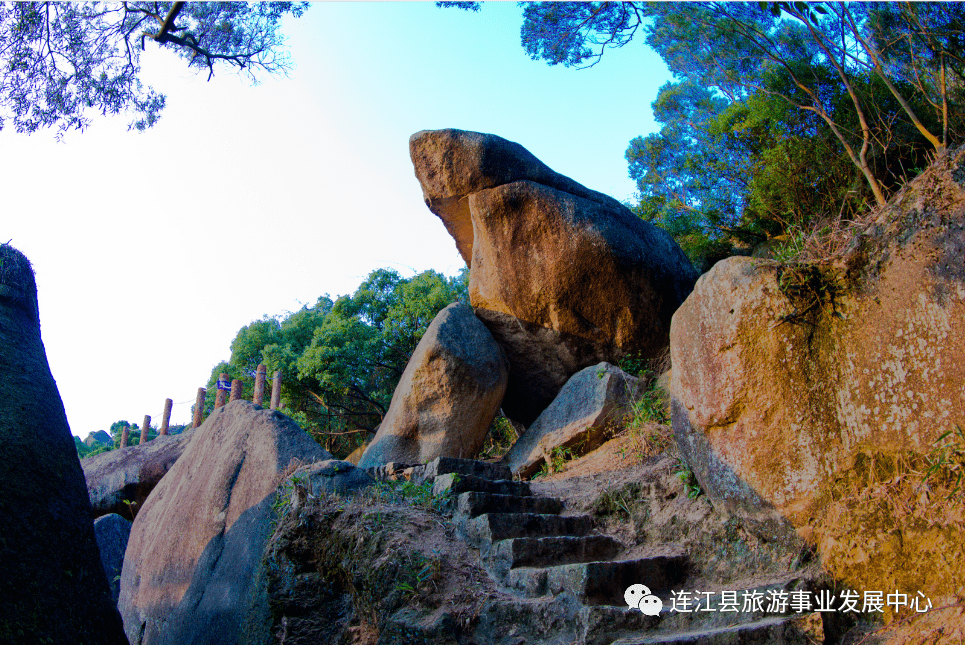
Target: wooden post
(145, 429)
(219, 398)
(258, 398)
(199, 407)
(125, 436)
(237, 389)
(275, 389)
(166, 419)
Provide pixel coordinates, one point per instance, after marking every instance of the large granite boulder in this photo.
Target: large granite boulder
(53, 588)
(189, 570)
(808, 399)
(564, 277)
(594, 400)
(120, 480)
(112, 532)
(447, 397)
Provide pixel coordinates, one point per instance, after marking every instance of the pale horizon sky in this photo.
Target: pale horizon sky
(152, 250)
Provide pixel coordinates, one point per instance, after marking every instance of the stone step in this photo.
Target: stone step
(482, 469)
(780, 630)
(600, 583)
(543, 551)
(507, 620)
(454, 483)
(472, 504)
(705, 611)
(481, 531)
(602, 624)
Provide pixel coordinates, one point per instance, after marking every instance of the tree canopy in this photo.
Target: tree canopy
(781, 116)
(342, 359)
(64, 61)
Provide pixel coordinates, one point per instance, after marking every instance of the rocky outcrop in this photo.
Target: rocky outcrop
(119, 481)
(447, 397)
(800, 392)
(594, 400)
(99, 438)
(196, 544)
(53, 588)
(564, 277)
(112, 532)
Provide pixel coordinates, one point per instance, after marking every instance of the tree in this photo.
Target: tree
(342, 359)
(62, 61)
(783, 115)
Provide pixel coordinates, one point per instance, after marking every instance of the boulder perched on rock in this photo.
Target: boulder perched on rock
(189, 568)
(563, 276)
(802, 391)
(593, 400)
(120, 480)
(98, 438)
(447, 397)
(112, 532)
(53, 588)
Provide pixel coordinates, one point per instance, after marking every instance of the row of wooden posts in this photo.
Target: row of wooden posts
(236, 391)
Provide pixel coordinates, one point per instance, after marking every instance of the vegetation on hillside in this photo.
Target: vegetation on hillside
(783, 118)
(342, 359)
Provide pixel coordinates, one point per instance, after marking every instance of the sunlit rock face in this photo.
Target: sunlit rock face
(563, 276)
(53, 588)
(193, 558)
(447, 397)
(806, 397)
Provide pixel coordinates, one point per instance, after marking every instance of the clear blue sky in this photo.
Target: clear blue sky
(152, 250)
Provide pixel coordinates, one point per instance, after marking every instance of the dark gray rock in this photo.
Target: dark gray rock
(53, 588)
(472, 504)
(594, 400)
(112, 532)
(98, 438)
(332, 477)
(119, 481)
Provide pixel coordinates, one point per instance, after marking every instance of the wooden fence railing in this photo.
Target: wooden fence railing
(232, 392)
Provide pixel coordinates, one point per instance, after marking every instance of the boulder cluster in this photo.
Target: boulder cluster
(562, 278)
(790, 382)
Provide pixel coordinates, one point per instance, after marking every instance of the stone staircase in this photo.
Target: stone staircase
(561, 585)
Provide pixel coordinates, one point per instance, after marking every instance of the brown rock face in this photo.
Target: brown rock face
(563, 276)
(447, 397)
(593, 400)
(53, 588)
(778, 407)
(195, 547)
(130, 474)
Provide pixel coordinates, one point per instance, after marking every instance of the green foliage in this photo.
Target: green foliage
(946, 461)
(64, 60)
(501, 437)
(648, 407)
(342, 359)
(687, 477)
(618, 502)
(782, 116)
(406, 492)
(417, 573)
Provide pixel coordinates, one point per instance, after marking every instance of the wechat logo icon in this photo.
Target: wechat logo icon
(639, 597)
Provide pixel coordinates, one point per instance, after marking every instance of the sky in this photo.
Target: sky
(152, 250)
